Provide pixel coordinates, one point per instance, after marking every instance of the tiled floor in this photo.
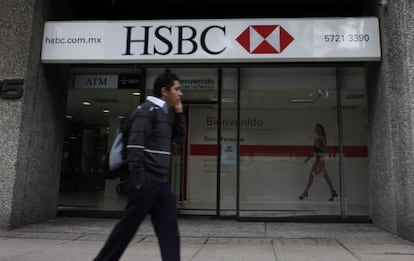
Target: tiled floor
(208, 239)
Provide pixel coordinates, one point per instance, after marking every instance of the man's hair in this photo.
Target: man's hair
(167, 80)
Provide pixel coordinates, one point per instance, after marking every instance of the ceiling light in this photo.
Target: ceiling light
(135, 93)
(68, 116)
(86, 103)
(106, 100)
(106, 111)
(301, 100)
(121, 117)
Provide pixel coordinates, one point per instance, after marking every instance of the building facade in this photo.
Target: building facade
(255, 169)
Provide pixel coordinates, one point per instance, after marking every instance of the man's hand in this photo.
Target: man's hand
(178, 106)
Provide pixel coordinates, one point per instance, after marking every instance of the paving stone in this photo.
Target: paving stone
(311, 249)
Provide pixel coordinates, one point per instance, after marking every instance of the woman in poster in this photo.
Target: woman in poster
(320, 150)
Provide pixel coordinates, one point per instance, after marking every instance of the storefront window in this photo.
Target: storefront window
(98, 99)
(286, 115)
(261, 143)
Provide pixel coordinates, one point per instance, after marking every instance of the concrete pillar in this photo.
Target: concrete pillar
(391, 119)
(31, 127)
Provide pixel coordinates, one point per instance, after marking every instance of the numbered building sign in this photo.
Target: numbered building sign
(11, 89)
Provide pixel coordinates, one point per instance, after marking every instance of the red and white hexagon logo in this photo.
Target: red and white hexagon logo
(264, 39)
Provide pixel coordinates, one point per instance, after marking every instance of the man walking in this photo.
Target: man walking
(158, 122)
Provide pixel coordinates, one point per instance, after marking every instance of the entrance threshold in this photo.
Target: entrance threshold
(117, 214)
(311, 219)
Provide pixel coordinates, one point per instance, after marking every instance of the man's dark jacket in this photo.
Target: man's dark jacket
(152, 134)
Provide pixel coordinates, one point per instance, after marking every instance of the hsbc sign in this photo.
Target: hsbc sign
(263, 39)
(204, 41)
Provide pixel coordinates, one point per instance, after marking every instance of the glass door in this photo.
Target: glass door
(194, 173)
(229, 150)
(354, 132)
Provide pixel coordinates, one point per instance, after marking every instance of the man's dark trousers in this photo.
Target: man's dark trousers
(154, 198)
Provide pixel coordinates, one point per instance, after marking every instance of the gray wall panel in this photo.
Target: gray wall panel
(391, 103)
(31, 126)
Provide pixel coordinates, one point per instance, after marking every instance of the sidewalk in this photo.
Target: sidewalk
(204, 239)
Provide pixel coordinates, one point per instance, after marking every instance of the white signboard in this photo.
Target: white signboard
(203, 41)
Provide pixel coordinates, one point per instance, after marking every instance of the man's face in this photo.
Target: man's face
(173, 96)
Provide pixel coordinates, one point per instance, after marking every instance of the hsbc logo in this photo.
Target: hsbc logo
(264, 39)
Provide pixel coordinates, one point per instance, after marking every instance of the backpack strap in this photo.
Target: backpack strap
(125, 129)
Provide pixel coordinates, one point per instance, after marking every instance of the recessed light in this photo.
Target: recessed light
(135, 93)
(106, 111)
(86, 103)
(228, 100)
(121, 117)
(69, 117)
